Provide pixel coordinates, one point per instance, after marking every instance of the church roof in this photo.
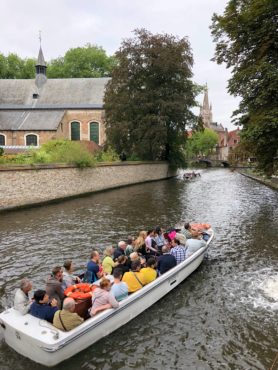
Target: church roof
(30, 120)
(66, 93)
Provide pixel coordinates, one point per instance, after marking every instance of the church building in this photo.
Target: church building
(34, 111)
(226, 140)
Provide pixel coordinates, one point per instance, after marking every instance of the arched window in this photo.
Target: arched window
(31, 140)
(75, 131)
(2, 140)
(94, 132)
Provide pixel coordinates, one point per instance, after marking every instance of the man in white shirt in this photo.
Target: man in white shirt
(22, 302)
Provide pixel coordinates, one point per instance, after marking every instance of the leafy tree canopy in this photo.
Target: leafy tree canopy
(148, 101)
(88, 61)
(247, 41)
(201, 143)
(13, 66)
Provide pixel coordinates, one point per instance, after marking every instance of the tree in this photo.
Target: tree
(201, 142)
(88, 61)
(148, 101)
(247, 41)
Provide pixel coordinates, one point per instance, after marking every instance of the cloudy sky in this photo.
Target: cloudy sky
(70, 23)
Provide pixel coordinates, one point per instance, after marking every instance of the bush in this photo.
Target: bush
(107, 155)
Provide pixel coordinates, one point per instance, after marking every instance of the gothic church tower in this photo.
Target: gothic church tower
(206, 111)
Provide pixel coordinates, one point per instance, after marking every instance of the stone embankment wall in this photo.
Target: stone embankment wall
(26, 186)
(272, 182)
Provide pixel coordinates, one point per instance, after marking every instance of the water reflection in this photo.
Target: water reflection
(221, 317)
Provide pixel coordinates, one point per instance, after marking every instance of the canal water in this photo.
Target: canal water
(224, 316)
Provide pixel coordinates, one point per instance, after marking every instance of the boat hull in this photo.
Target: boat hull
(42, 343)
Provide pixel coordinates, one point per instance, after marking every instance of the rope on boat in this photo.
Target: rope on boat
(274, 362)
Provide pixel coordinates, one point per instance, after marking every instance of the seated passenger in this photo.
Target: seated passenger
(181, 238)
(151, 247)
(22, 302)
(119, 288)
(123, 264)
(66, 319)
(166, 261)
(54, 286)
(194, 244)
(41, 308)
(68, 277)
(149, 272)
(93, 272)
(120, 250)
(134, 278)
(186, 230)
(178, 251)
(139, 243)
(102, 298)
(107, 263)
(159, 239)
(130, 246)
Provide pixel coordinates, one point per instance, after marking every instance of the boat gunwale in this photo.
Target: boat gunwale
(107, 314)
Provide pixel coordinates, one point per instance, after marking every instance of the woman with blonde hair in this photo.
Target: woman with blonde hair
(139, 243)
(107, 263)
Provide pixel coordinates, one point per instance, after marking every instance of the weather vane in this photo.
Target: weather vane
(40, 37)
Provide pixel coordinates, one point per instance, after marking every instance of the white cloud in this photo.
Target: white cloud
(70, 23)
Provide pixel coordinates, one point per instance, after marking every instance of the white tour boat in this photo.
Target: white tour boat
(43, 343)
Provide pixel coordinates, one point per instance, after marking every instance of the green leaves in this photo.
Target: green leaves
(82, 62)
(149, 98)
(247, 41)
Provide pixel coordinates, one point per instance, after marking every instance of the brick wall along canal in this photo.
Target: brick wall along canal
(224, 316)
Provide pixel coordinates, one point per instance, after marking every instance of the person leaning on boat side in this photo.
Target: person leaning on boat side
(22, 302)
(68, 277)
(120, 251)
(41, 308)
(149, 272)
(93, 267)
(134, 278)
(186, 230)
(54, 286)
(66, 319)
(107, 263)
(166, 261)
(119, 288)
(102, 299)
(178, 251)
(194, 243)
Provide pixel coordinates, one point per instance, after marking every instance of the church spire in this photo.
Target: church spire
(206, 100)
(41, 65)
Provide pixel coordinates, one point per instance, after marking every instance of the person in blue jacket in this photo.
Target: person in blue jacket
(42, 308)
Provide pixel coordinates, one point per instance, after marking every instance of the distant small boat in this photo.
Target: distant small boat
(43, 343)
(191, 175)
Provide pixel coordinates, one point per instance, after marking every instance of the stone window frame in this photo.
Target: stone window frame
(5, 138)
(32, 133)
(80, 127)
(99, 130)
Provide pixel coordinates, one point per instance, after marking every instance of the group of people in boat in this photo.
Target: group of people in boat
(191, 175)
(121, 271)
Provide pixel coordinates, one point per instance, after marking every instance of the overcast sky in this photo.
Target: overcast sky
(70, 23)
